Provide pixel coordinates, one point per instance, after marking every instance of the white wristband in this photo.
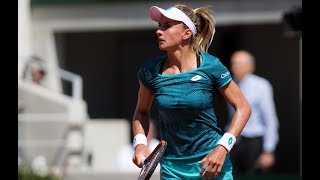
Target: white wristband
(227, 141)
(139, 139)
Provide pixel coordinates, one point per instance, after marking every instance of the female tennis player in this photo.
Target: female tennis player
(182, 83)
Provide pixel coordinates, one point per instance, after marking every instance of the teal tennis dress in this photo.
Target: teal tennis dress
(187, 120)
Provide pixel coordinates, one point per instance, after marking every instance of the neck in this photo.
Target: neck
(181, 57)
(241, 77)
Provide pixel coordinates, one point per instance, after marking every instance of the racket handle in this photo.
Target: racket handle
(143, 159)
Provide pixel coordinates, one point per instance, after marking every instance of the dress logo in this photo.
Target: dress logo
(196, 78)
(225, 74)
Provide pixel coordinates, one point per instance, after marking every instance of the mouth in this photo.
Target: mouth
(160, 40)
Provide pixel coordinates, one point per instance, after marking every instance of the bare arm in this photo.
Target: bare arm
(236, 99)
(213, 162)
(140, 122)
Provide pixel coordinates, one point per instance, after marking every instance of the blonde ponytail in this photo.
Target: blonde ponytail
(205, 23)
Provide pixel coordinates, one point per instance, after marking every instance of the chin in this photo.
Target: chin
(162, 48)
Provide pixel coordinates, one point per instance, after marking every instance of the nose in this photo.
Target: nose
(158, 32)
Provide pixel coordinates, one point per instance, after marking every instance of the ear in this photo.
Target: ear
(187, 34)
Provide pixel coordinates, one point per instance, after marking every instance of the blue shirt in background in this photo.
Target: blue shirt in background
(263, 120)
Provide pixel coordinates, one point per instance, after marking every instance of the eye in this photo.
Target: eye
(165, 25)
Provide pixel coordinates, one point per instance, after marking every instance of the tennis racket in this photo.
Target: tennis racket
(150, 163)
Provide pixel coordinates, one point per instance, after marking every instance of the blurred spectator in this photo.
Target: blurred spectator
(124, 161)
(34, 70)
(255, 147)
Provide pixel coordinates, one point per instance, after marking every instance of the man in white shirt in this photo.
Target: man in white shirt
(254, 150)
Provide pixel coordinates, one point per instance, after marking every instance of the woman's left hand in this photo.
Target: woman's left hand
(213, 162)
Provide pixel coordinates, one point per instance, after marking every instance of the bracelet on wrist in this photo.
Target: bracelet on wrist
(139, 139)
(227, 141)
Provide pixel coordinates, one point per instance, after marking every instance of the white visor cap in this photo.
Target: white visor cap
(174, 14)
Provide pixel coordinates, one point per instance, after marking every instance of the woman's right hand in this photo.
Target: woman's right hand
(140, 151)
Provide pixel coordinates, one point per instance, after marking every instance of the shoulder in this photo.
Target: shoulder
(259, 78)
(217, 72)
(153, 61)
(263, 82)
(148, 70)
(212, 59)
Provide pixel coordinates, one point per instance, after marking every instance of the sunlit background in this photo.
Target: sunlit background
(73, 123)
